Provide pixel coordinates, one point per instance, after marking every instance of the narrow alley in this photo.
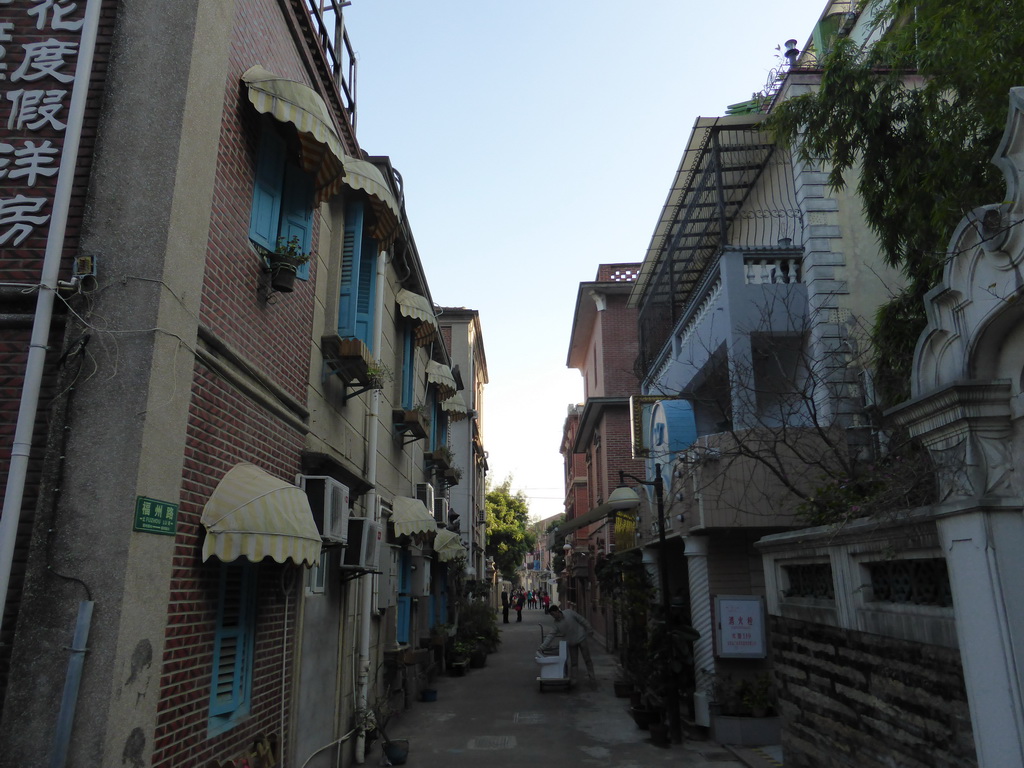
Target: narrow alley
(496, 716)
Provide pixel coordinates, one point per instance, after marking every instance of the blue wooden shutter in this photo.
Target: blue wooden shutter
(297, 212)
(408, 365)
(233, 640)
(404, 599)
(351, 262)
(366, 290)
(265, 216)
(433, 411)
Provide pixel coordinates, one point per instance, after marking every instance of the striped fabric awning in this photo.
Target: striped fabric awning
(455, 407)
(365, 176)
(410, 516)
(448, 546)
(255, 515)
(416, 307)
(440, 375)
(323, 154)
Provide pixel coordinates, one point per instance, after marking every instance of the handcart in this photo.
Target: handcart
(554, 669)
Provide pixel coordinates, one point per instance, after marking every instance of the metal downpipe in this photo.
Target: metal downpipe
(24, 429)
(372, 427)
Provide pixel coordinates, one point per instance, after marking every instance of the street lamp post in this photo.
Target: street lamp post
(619, 499)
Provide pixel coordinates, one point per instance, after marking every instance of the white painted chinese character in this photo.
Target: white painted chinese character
(31, 161)
(5, 37)
(34, 109)
(15, 215)
(61, 8)
(45, 59)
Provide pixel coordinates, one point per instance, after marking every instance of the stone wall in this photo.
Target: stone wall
(860, 700)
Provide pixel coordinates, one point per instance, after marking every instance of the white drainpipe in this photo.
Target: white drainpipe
(44, 304)
(372, 427)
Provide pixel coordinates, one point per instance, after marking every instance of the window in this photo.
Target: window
(408, 365)
(358, 277)
(813, 580)
(282, 196)
(233, 645)
(404, 595)
(914, 581)
(316, 577)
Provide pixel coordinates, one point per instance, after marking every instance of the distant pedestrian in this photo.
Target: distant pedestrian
(575, 630)
(546, 599)
(504, 607)
(519, 600)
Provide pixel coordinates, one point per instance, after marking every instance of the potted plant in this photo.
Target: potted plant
(413, 424)
(283, 263)
(440, 458)
(378, 374)
(742, 713)
(460, 657)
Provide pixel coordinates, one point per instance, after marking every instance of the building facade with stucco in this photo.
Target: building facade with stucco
(219, 537)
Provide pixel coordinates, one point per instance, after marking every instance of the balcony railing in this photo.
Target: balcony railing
(329, 27)
(734, 190)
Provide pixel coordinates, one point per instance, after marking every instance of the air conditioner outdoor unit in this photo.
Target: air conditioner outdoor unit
(329, 501)
(425, 493)
(364, 540)
(441, 511)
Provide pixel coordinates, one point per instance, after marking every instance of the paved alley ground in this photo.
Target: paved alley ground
(496, 717)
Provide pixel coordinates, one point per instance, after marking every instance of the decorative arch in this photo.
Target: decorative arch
(975, 312)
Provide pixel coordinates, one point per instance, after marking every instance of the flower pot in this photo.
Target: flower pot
(477, 659)
(397, 751)
(623, 689)
(644, 717)
(282, 277)
(659, 734)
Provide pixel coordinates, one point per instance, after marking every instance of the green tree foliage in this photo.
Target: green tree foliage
(916, 119)
(508, 534)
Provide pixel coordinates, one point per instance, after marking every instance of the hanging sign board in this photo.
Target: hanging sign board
(739, 621)
(155, 516)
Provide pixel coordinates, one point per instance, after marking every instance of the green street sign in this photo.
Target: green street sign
(155, 516)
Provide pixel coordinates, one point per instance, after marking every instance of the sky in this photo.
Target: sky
(536, 140)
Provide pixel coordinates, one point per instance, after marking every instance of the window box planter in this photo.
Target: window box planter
(745, 731)
(348, 359)
(412, 425)
(438, 460)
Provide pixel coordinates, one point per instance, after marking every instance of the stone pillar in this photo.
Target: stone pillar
(696, 553)
(966, 428)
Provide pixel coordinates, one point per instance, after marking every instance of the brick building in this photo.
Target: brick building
(596, 435)
(217, 481)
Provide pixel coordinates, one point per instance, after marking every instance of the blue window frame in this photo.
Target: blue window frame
(358, 277)
(282, 196)
(408, 364)
(404, 597)
(233, 645)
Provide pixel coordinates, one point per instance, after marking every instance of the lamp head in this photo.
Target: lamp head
(623, 498)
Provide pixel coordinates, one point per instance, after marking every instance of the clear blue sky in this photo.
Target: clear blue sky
(537, 139)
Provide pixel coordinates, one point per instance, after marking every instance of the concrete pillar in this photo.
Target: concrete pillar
(985, 570)
(701, 614)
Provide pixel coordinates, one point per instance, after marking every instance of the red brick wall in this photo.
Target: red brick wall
(273, 335)
(225, 428)
(620, 348)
